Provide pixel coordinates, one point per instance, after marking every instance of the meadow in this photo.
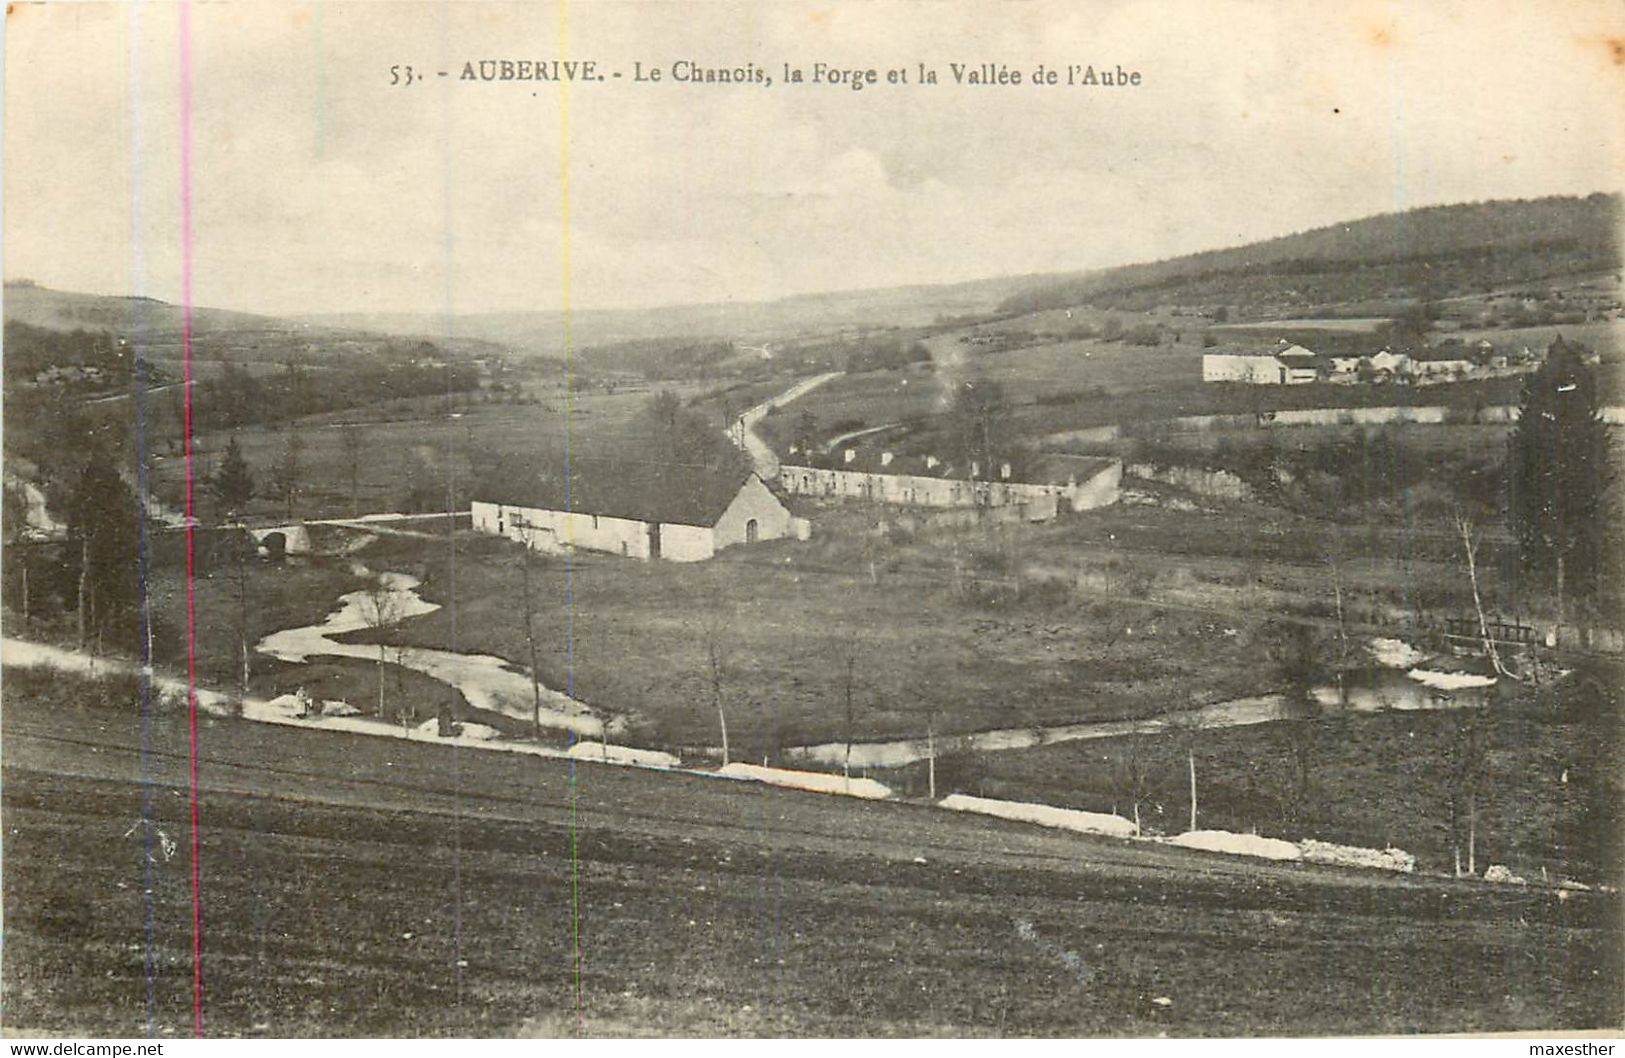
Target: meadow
(1548, 793)
(365, 887)
(786, 619)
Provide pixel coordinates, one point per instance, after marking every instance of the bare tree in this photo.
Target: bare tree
(714, 631)
(352, 460)
(1187, 728)
(84, 587)
(287, 471)
(14, 530)
(928, 699)
(1295, 651)
(850, 656)
(1132, 775)
(1334, 563)
(405, 710)
(528, 607)
(666, 409)
(772, 731)
(176, 419)
(931, 752)
(872, 545)
(380, 609)
(1190, 751)
(1469, 546)
(1467, 783)
(244, 547)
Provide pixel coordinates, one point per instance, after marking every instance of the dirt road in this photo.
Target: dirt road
(761, 453)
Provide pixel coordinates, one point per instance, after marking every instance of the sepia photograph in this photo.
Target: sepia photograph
(812, 519)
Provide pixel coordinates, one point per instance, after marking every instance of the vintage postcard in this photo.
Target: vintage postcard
(790, 519)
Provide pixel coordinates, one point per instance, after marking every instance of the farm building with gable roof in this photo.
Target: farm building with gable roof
(677, 512)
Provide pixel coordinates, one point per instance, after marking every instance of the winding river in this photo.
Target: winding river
(485, 681)
(1366, 691)
(491, 683)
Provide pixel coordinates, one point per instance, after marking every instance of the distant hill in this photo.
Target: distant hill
(218, 334)
(764, 321)
(62, 310)
(1435, 252)
(1356, 268)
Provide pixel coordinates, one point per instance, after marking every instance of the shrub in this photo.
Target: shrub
(990, 561)
(1144, 334)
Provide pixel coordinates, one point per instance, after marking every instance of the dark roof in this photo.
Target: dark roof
(644, 491)
(1239, 350)
(1441, 353)
(868, 461)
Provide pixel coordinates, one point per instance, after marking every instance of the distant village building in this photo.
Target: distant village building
(1289, 363)
(1387, 365)
(1298, 364)
(641, 510)
(1440, 362)
(1286, 365)
(1257, 368)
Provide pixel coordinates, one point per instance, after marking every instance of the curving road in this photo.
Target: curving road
(762, 456)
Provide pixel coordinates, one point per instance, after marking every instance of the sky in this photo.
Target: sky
(314, 185)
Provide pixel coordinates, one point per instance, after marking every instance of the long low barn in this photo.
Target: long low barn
(641, 510)
(1081, 483)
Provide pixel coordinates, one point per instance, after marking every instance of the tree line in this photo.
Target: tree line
(1435, 251)
(238, 397)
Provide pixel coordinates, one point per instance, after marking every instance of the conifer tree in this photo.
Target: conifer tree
(1559, 473)
(233, 483)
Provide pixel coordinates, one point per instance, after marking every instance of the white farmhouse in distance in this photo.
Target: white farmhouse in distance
(1298, 364)
(1441, 362)
(1258, 368)
(642, 510)
(1389, 364)
(1286, 364)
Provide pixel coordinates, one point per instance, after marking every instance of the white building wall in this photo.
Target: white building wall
(1102, 490)
(555, 532)
(686, 543)
(755, 502)
(483, 517)
(1394, 363)
(1259, 370)
(910, 490)
(1436, 369)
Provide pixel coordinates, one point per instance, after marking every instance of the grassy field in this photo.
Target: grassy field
(355, 886)
(875, 398)
(1606, 337)
(1124, 612)
(634, 638)
(1054, 388)
(278, 596)
(1550, 791)
(406, 447)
